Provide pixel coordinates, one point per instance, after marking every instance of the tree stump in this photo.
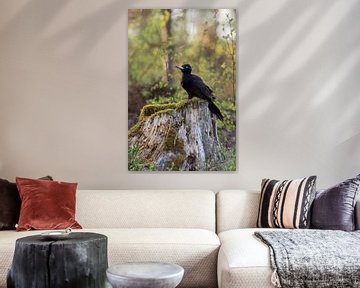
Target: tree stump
(179, 136)
(80, 261)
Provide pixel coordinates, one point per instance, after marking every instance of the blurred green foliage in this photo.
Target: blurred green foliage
(134, 164)
(204, 38)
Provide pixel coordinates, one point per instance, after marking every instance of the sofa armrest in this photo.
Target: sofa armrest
(357, 215)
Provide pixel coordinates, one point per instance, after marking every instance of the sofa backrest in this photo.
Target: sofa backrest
(146, 209)
(239, 209)
(236, 209)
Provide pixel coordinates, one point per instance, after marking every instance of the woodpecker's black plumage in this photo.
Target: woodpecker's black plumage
(195, 87)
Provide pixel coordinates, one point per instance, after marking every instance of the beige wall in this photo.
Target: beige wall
(63, 92)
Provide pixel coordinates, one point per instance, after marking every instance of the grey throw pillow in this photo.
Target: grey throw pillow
(334, 208)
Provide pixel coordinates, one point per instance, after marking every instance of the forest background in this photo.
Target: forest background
(159, 39)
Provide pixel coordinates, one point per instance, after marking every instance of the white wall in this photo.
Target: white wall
(63, 92)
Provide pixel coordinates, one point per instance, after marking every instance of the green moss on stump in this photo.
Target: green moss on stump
(153, 110)
(149, 110)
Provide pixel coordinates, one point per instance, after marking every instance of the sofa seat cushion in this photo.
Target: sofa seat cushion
(244, 261)
(194, 249)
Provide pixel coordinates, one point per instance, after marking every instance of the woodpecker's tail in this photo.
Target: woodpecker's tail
(215, 110)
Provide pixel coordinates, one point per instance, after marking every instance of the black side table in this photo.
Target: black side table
(79, 261)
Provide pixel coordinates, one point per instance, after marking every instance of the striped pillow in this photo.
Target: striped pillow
(286, 204)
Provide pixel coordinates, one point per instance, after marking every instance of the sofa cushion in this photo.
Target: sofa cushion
(236, 209)
(286, 204)
(153, 209)
(46, 204)
(244, 261)
(194, 249)
(334, 208)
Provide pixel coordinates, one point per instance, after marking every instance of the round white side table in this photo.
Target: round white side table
(145, 275)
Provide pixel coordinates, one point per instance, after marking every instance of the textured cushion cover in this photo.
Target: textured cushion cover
(244, 261)
(10, 204)
(194, 249)
(46, 204)
(286, 204)
(153, 209)
(334, 208)
(236, 209)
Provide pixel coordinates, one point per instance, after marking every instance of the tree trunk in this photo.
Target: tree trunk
(167, 39)
(180, 136)
(79, 261)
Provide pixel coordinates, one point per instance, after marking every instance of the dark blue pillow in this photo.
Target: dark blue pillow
(334, 208)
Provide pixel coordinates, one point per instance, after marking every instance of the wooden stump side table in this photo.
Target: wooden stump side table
(78, 261)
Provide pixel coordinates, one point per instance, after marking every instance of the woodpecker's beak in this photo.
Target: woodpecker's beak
(179, 67)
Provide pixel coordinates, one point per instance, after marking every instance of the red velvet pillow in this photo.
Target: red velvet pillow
(46, 204)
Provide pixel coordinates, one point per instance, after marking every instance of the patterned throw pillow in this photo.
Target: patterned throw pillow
(286, 204)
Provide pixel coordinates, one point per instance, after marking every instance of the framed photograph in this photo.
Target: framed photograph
(182, 90)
